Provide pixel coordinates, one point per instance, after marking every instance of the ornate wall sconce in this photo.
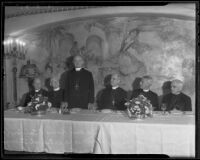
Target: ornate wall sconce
(15, 48)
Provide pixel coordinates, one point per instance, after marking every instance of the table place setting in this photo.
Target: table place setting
(53, 110)
(75, 110)
(18, 109)
(107, 111)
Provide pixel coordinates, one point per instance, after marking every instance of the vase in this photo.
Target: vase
(135, 116)
(139, 116)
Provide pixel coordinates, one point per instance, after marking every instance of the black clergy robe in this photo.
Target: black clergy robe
(151, 96)
(30, 94)
(180, 102)
(112, 99)
(47, 84)
(62, 80)
(79, 88)
(56, 97)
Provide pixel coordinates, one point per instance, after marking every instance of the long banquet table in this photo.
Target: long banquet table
(100, 133)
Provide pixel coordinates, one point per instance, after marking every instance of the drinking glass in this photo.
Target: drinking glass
(163, 108)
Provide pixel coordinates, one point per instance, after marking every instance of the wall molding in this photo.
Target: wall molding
(26, 11)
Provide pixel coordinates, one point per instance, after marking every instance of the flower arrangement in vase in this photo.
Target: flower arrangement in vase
(139, 108)
(38, 105)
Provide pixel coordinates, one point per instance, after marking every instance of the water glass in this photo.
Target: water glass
(163, 108)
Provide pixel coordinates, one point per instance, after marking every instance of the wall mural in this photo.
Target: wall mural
(134, 46)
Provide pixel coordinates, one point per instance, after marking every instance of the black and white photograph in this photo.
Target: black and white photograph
(96, 80)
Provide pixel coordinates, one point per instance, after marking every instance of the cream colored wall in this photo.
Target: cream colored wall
(110, 46)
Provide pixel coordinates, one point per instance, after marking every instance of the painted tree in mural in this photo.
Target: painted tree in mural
(147, 45)
(50, 38)
(120, 58)
(132, 46)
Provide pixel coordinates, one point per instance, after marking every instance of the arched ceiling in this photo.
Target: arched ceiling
(22, 19)
(17, 11)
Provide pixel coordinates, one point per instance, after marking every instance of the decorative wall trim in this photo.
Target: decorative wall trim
(40, 10)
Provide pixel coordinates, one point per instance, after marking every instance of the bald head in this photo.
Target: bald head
(78, 61)
(176, 86)
(37, 83)
(146, 82)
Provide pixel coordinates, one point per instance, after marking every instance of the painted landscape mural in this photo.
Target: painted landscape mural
(134, 46)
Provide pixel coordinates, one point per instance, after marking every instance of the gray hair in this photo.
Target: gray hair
(55, 78)
(178, 83)
(148, 78)
(79, 55)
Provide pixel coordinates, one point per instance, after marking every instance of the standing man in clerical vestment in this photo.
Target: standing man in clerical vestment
(79, 88)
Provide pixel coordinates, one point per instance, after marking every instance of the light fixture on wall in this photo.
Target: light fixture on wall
(15, 48)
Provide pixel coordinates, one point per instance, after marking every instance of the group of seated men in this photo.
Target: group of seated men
(78, 92)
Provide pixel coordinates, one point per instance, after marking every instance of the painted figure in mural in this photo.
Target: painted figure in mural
(144, 90)
(129, 40)
(79, 86)
(113, 97)
(37, 83)
(56, 96)
(176, 100)
(74, 50)
(49, 72)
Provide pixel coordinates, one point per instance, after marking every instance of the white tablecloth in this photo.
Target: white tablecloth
(87, 132)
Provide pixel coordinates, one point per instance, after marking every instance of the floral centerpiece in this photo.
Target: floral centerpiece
(139, 107)
(38, 105)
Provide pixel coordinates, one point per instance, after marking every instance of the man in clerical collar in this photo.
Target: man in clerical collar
(38, 90)
(79, 86)
(176, 100)
(144, 90)
(113, 97)
(57, 94)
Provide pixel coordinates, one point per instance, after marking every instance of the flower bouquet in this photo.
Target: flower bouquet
(139, 108)
(38, 105)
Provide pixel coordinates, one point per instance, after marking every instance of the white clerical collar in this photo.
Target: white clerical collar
(176, 93)
(78, 69)
(57, 89)
(146, 90)
(115, 87)
(37, 90)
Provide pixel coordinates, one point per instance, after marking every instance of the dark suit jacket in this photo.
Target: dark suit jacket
(56, 97)
(109, 95)
(151, 96)
(47, 84)
(84, 94)
(63, 79)
(183, 101)
(30, 94)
